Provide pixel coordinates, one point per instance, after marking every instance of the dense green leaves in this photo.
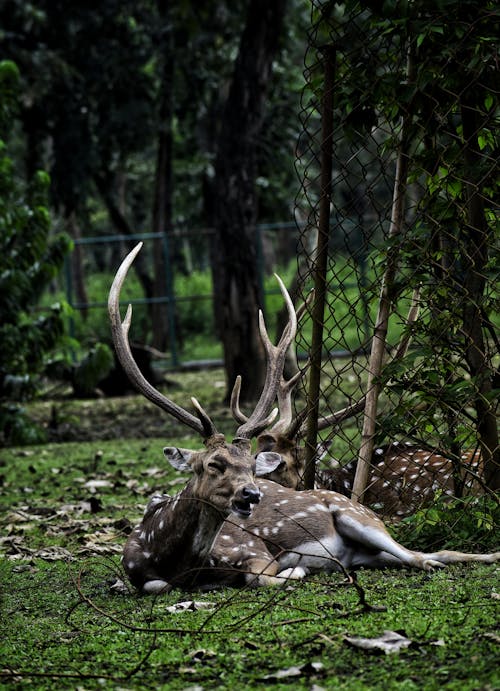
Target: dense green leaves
(29, 260)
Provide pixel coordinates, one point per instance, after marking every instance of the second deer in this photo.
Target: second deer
(402, 478)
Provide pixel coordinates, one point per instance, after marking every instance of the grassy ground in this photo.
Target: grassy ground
(65, 512)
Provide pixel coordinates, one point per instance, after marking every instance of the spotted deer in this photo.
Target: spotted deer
(294, 533)
(176, 533)
(403, 477)
(226, 525)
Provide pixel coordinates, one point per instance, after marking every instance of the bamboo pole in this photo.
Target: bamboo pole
(379, 340)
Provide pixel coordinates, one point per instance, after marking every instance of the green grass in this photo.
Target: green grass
(65, 512)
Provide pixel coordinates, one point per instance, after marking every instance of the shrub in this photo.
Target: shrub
(28, 262)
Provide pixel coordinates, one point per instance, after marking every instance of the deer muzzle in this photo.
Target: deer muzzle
(243, 502)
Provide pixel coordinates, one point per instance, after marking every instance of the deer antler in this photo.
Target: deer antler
(119, 330)
(287, 424)
(261, 417)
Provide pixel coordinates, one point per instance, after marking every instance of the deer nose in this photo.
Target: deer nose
(251, 494)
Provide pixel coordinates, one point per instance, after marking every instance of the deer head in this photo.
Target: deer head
(176, 534)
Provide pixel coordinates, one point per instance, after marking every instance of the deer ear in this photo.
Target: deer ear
(180, 459)
(266, 462)
(322, 449)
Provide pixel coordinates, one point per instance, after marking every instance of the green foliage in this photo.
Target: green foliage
(29, 260)
(194, 304)
(405, 62)
(9, 86)
(450, 522)
(93, 367)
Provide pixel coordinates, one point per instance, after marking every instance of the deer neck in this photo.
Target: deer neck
(182, 529)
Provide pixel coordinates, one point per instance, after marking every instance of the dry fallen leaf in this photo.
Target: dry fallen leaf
(97, 484)
(190, 606)
(53, 553)
(202, 654)
(389, 642)
(119, 587)
(292, 672)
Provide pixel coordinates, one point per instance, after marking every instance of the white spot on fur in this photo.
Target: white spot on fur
(317, 507)
(297, 516)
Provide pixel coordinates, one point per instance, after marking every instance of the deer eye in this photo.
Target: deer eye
(217, 464)
(266, 442)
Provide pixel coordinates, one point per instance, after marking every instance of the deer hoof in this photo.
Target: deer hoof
(296, 574)
(431, 564)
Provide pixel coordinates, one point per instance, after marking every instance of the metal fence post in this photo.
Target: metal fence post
(169, 284)
(68, 276)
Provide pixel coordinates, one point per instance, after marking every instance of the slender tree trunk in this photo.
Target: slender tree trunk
(162, 205)
(235, 277)
(475, 256)
(377, 352)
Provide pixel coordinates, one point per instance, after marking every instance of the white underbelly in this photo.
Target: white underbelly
(317, 556)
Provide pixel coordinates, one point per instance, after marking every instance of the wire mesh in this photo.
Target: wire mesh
(411, 94)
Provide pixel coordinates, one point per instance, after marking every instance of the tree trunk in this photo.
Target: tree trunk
(121, 224)
(162, 205)
(475, 254)
(234, 263)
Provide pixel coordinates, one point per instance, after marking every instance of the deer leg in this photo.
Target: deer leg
(450, 557)
(138, 566)
(380, 549)
(264, 573)
(262, 569)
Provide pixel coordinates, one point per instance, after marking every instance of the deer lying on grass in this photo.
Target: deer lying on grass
(271, 532)
(176, 533)
(403, 477)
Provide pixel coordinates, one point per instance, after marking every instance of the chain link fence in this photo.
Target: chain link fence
(399, 176)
